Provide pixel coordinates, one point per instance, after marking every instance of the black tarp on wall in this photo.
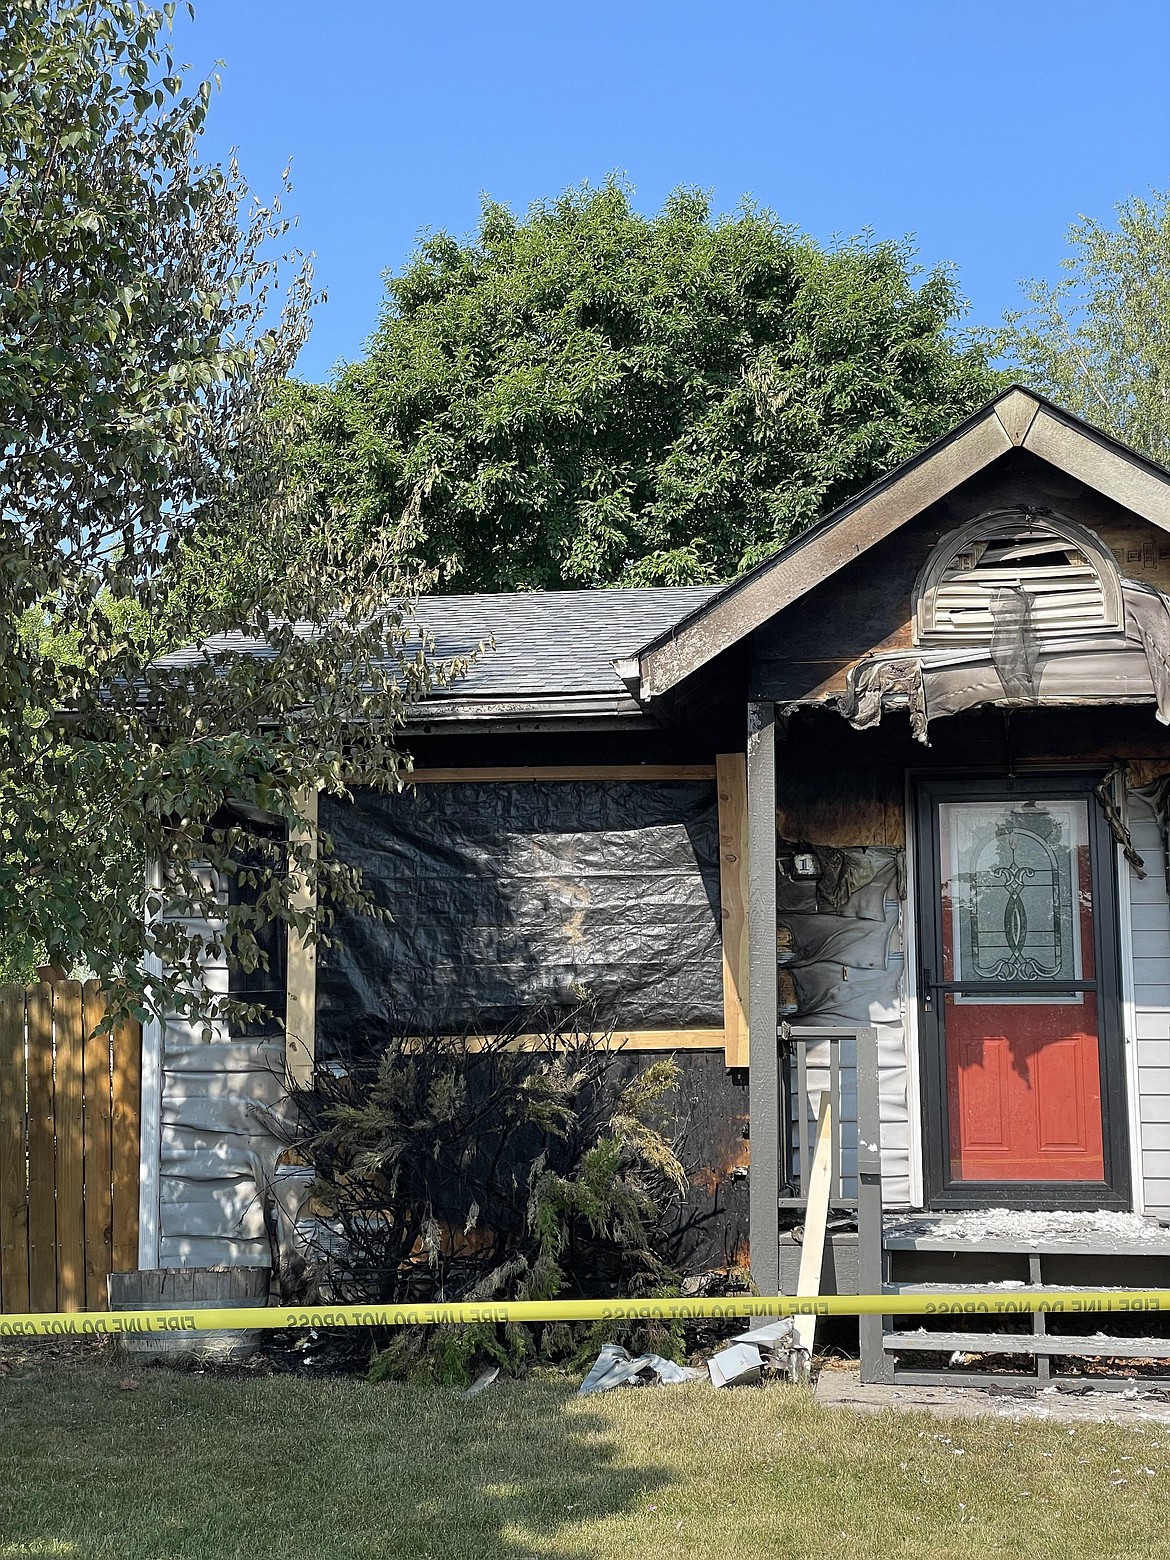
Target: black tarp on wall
(513, 897)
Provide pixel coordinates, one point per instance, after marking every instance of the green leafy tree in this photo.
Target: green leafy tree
(590, 396)
(149, 316)
(1098, 340)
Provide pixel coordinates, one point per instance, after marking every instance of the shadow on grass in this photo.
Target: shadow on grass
(189, 1467)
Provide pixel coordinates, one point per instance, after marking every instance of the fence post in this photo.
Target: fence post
(13, 1151)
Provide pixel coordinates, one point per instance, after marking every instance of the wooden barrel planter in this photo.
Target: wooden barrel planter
(191, 1289)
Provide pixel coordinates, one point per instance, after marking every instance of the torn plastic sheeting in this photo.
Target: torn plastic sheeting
(614, 1367)
(837, 939)
(840, 961)
(508, 898)
(840, 968)
(855, 882)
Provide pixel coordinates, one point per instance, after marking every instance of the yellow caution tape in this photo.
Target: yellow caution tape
(988, 1302)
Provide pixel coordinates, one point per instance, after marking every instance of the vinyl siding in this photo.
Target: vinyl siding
(216, 1155)
(1150, 955)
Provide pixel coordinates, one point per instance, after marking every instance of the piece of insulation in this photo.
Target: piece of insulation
(737, 1366)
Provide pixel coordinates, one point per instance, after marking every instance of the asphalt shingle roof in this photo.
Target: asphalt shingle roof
(544, 644)
(552, 642)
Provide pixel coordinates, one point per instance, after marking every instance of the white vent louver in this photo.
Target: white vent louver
(1068, 584)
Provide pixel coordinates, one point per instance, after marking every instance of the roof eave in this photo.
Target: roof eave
(568, 709)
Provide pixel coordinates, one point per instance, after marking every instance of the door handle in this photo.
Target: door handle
(927, 991)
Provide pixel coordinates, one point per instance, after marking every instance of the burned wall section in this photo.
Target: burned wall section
(841, 808)
(707, 1118)
(841, 963)
(510, 899)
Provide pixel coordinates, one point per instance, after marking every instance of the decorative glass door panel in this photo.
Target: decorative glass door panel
(1018, 999)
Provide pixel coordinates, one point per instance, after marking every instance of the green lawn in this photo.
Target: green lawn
(187, 1467)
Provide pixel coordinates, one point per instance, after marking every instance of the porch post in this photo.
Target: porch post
(764, 1064)
(876, 1364)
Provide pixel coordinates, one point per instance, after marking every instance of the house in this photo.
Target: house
(908, 775)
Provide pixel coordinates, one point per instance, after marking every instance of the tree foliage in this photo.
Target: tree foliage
(1098, 340)
(590, 396)
(140, 380)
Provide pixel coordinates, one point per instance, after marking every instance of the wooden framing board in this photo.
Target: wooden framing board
(560, 772)
(622, 1040)
(300, 1011)
(731, 781)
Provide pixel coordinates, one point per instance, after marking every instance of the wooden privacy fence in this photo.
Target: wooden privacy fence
(68, 1147)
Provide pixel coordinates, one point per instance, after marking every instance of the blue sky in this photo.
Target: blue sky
(983, 127)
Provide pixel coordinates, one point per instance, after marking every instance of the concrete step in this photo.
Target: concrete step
(999, 1231)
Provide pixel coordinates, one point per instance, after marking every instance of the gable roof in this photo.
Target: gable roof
(1017, 418)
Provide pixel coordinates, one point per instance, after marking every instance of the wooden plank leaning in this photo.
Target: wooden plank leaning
(812, 1251)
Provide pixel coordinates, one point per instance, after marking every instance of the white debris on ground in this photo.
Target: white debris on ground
(1132, 1406)
(1027, 1225)
(741, 1365)
(616, 1367)
(771, 1334)
(763, 1348)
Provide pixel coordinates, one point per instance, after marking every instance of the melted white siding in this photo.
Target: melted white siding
(872, 993)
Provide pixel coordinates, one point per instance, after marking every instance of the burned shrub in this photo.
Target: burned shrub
(450, 1169)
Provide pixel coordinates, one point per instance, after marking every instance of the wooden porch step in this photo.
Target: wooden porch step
(1156, 1245)
(1025, 1343)
(997, 1287)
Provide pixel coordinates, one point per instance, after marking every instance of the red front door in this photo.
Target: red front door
(1011, 996)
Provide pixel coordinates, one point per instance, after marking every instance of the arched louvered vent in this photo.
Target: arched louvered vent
(1039, 569)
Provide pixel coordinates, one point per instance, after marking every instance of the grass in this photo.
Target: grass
(184, 1467)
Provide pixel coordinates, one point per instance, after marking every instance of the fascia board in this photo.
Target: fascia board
(1099, 463)
(806, 564)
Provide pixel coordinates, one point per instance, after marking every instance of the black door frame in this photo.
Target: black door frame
(940, 1190)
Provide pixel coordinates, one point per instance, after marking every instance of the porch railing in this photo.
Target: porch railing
(813, 1059)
